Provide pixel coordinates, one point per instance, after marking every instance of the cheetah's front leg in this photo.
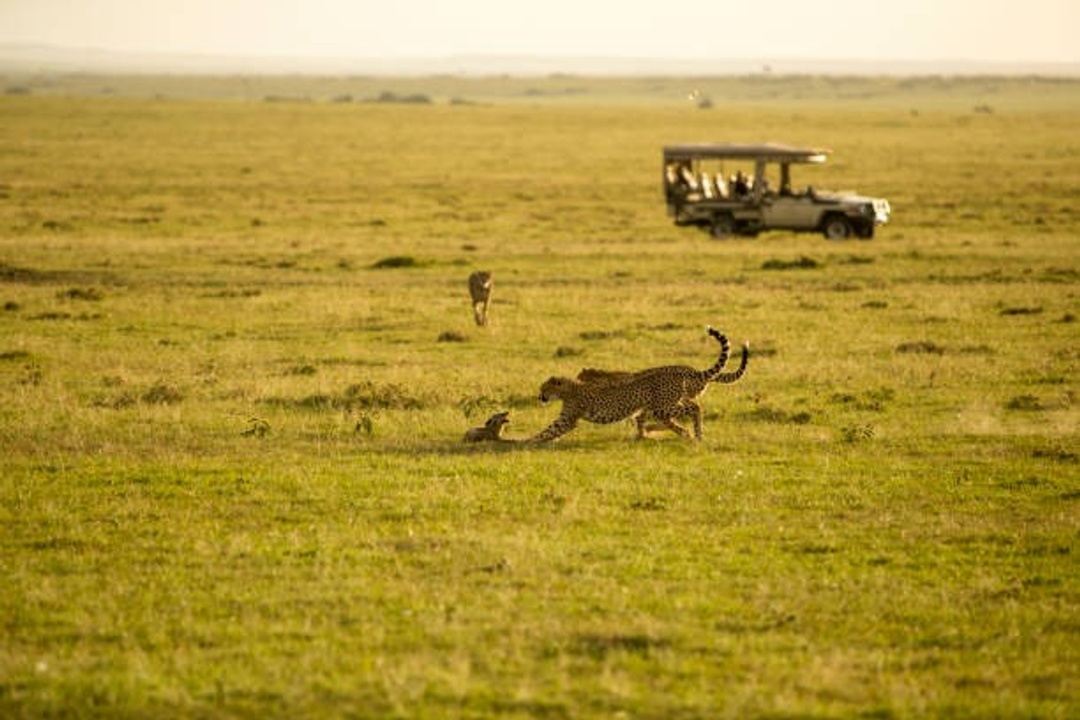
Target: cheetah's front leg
(562, 425)
(691, 408)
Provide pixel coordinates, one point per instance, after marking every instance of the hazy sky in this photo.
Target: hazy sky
(993, 30)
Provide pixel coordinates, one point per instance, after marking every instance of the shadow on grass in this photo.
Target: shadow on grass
(457, 447)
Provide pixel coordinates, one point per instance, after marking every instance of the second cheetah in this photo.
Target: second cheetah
(662, 393)
(480, 285)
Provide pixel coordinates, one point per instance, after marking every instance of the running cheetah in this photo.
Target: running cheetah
(480, 284)
(663, 393)
(596, 376)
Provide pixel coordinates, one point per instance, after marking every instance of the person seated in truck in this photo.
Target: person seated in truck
(680, 179)
(740, 185)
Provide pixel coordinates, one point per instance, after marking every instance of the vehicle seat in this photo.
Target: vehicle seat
(722, 190)
(689, 179)
(707, 188)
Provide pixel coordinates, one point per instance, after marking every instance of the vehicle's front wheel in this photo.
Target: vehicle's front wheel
(723, 227)
(837, 227)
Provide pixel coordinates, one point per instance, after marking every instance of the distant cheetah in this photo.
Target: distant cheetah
(663, 393)
(480, 284)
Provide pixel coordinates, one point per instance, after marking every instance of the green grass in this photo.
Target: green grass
(233, 476)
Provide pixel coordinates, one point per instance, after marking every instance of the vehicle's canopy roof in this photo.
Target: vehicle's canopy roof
(771, 152)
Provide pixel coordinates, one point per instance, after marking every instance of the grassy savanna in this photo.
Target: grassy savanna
(233, 476)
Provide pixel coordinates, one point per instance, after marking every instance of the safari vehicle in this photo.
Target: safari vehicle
(700, 194)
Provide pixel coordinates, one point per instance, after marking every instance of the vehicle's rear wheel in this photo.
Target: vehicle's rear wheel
(837, 227)
(723, 226)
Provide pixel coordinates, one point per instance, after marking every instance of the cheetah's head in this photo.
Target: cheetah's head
(556, 387)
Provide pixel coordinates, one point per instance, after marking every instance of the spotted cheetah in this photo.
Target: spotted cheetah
(480, 284)
(490, 430)
(662, 393)
(596, 376)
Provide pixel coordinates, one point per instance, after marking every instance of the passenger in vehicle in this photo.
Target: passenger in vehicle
(740, 185)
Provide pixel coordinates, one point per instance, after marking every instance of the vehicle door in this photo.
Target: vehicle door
(795, 212)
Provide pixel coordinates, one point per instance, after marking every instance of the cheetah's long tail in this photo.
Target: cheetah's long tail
(725, 350)
(730, 377)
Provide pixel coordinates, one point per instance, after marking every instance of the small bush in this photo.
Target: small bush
(1054, 453)
(387, 96)
(358, 396)
(1025, 402)
(921, 346)
(649, 504)
(365, 425)
(600, 334)
(14, 355)
(90, 294)
(1022, 310)
(451, 336)
(395, 261)
(857, 433)
(17, 90)
(766, 413)
(803, 263)
(567, 351)
(257, 427)
(11, 306)
(162, 394)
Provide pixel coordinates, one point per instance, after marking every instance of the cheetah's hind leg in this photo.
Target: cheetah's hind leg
(674, 427)
(639, 423)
